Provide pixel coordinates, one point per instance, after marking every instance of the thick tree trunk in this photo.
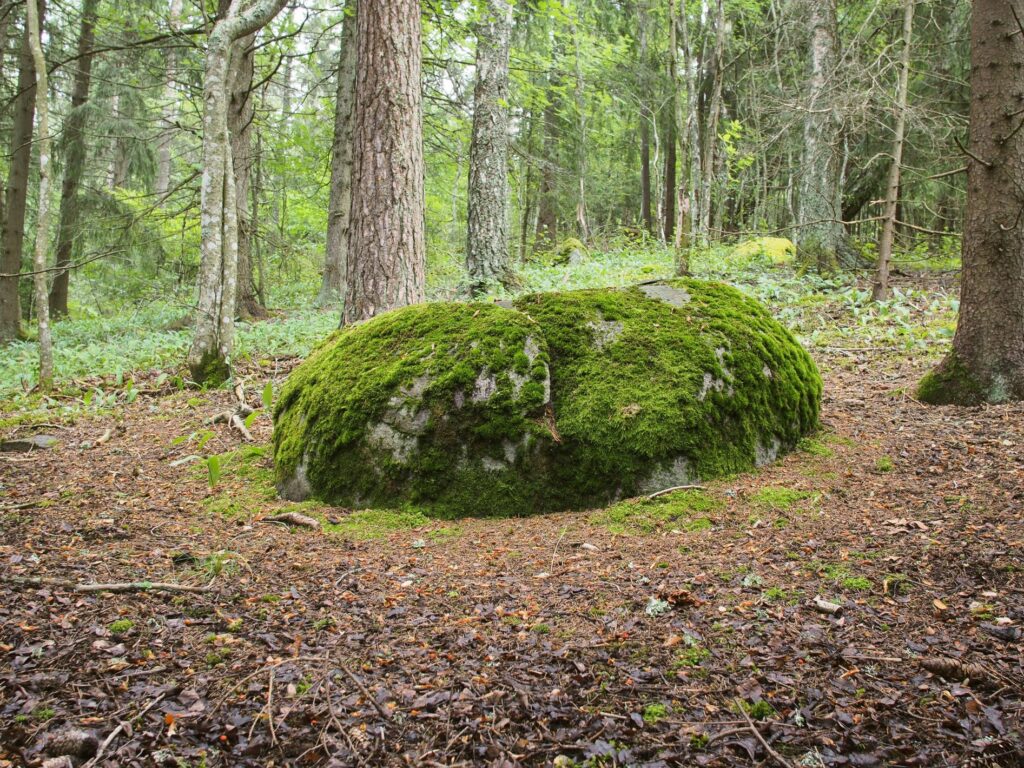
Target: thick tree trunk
(209, 358)
(43, 211)
(12, 237)
(386, 239)
(340, 205)
(487, 245)
(880, 290)
(168, 111)
(74, 151)
(986, 364)
(820, 237)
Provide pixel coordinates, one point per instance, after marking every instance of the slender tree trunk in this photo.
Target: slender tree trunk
(74, 152)
(240, 125)
(986, 364)
(581, 135)
(714, 114)
(821, 239)
(487, 245)
(169, 111)
(547, 203)
(43, 210)
(12, 237)
(340, 205)
(386, 245)
(645, 119)
(209, 358)
(880, 290)
(672, 131)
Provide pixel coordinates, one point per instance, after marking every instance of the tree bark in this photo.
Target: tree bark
(386, 238)
(820, 237)
(168, 111)
(880, 290)
(12, 237)
(643, 22)
(669, 222)
(547, 201)
(209, 358)
(340, 205)
(487, 245)
(240, 124)
(74, 152)
(33, 12)
(986, 364)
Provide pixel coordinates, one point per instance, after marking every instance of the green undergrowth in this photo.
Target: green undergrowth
(689, 510)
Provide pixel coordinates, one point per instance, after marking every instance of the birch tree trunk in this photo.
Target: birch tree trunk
(43, 204)
(74, 153)
(986, 364)
(386, 239)
(820, 237)
(168, 112)
(209, 358)
(340, 205)
(12, 237)
(880, 290)
(487, 244)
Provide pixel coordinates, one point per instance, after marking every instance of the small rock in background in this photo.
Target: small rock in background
(31, 443)
(74, 742)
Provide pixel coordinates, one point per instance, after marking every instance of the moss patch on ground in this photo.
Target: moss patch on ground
(690, 510)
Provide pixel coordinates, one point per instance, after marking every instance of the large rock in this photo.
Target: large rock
(569, 400)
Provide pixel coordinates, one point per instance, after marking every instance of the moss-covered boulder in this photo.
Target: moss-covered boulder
(438, 403)
(567, 400)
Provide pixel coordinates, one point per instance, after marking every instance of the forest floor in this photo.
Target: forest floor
(675, 631)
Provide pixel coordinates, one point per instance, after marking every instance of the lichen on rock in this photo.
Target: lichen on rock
(569, 400)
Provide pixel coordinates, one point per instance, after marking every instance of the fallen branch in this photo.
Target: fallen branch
(117, 587)
(675, 488)
(365, 691)
(293, 518)
(237, 423)
(753, 729)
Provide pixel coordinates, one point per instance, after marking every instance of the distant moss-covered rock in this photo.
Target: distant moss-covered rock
(570, 400)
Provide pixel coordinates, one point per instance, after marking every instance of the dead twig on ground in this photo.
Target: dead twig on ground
(764, 743)
(116, 587)
(673, 489)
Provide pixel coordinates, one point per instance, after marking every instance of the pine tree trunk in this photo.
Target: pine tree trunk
(74, 152)
(12, 237)
(986, 364)
(645, 121)
(43, 206)
(820, 237)
(340, 205)
(880, 290)
(386, 239)
(487, 244)
(209, 358)
(547, 202)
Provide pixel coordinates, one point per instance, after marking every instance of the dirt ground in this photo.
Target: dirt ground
(553, 640)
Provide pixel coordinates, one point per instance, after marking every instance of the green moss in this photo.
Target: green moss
(777, 251)
(658, 385)
(650, 387)
(816, 447)
(780, 499)
(857, 584)
(438, 403)
(212, 370)
(951, 383)
(687, 510)
(691, 657)
(654, 713)
(884, 464)
(120, 626)
(376, 523)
